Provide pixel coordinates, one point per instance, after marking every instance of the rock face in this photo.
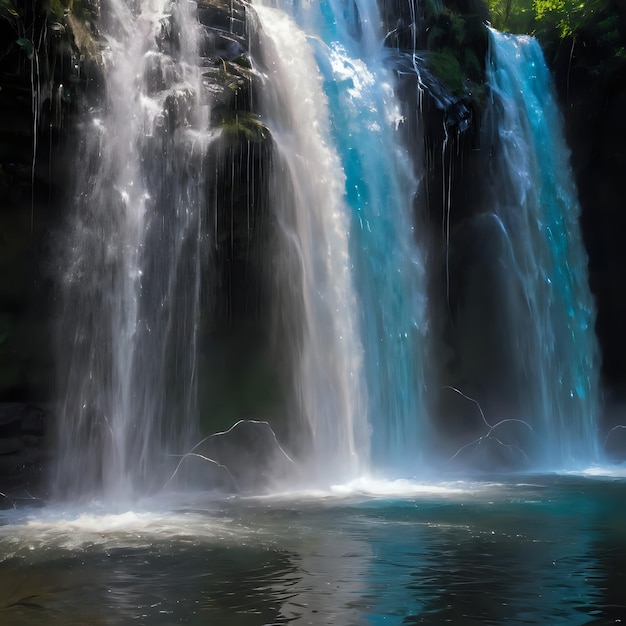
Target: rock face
(46, 76)
(236, 365)
(246, 458)
(24, 452)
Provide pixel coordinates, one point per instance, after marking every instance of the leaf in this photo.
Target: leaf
(26, 45)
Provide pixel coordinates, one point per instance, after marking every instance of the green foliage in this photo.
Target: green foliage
(561, 18)
(472, 62)
(8, 10)
(594, 26)
(26, 45)
(556, 15)
(27, 21)
(513, 16)
(546, 7)
(57, 8)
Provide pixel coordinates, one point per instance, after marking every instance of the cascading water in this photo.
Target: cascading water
(348, 273)
(546, 302)
(131, 282)
(312, 270)
(389, 270)
(381, 261)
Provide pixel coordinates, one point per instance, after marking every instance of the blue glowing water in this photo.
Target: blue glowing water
(386, 268)
(547, 299)
(388, 265)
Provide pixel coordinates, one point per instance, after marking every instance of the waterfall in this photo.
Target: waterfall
(312, 268)
(133, 255)
(378, 259)
(545, 298)
(340, 254)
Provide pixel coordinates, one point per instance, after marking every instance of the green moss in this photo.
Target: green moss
(458, 30)
(243, 61)
(244, 125)
(447, 68)
(235, 74)
(57, 9)
(457, 46)
(8, 10)
(471, 63)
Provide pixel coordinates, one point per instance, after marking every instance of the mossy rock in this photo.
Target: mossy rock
(245, 125)
(447, 68)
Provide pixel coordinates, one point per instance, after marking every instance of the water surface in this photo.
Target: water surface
(521, 550)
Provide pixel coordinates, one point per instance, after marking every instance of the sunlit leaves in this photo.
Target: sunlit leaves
(516, 16)
(564, 18)
(545, 7)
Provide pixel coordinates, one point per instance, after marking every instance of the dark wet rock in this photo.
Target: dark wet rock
(248, 453)
(446, 43)
(22, 420)
(10, 445)
(24, 451)
(220, 46)
(456, 110)
(11, 464)
(196, 470)
(33, 421)
(18, 418)
(229, 17)
(491, 453)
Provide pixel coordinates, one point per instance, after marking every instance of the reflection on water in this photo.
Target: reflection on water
(549, 551)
